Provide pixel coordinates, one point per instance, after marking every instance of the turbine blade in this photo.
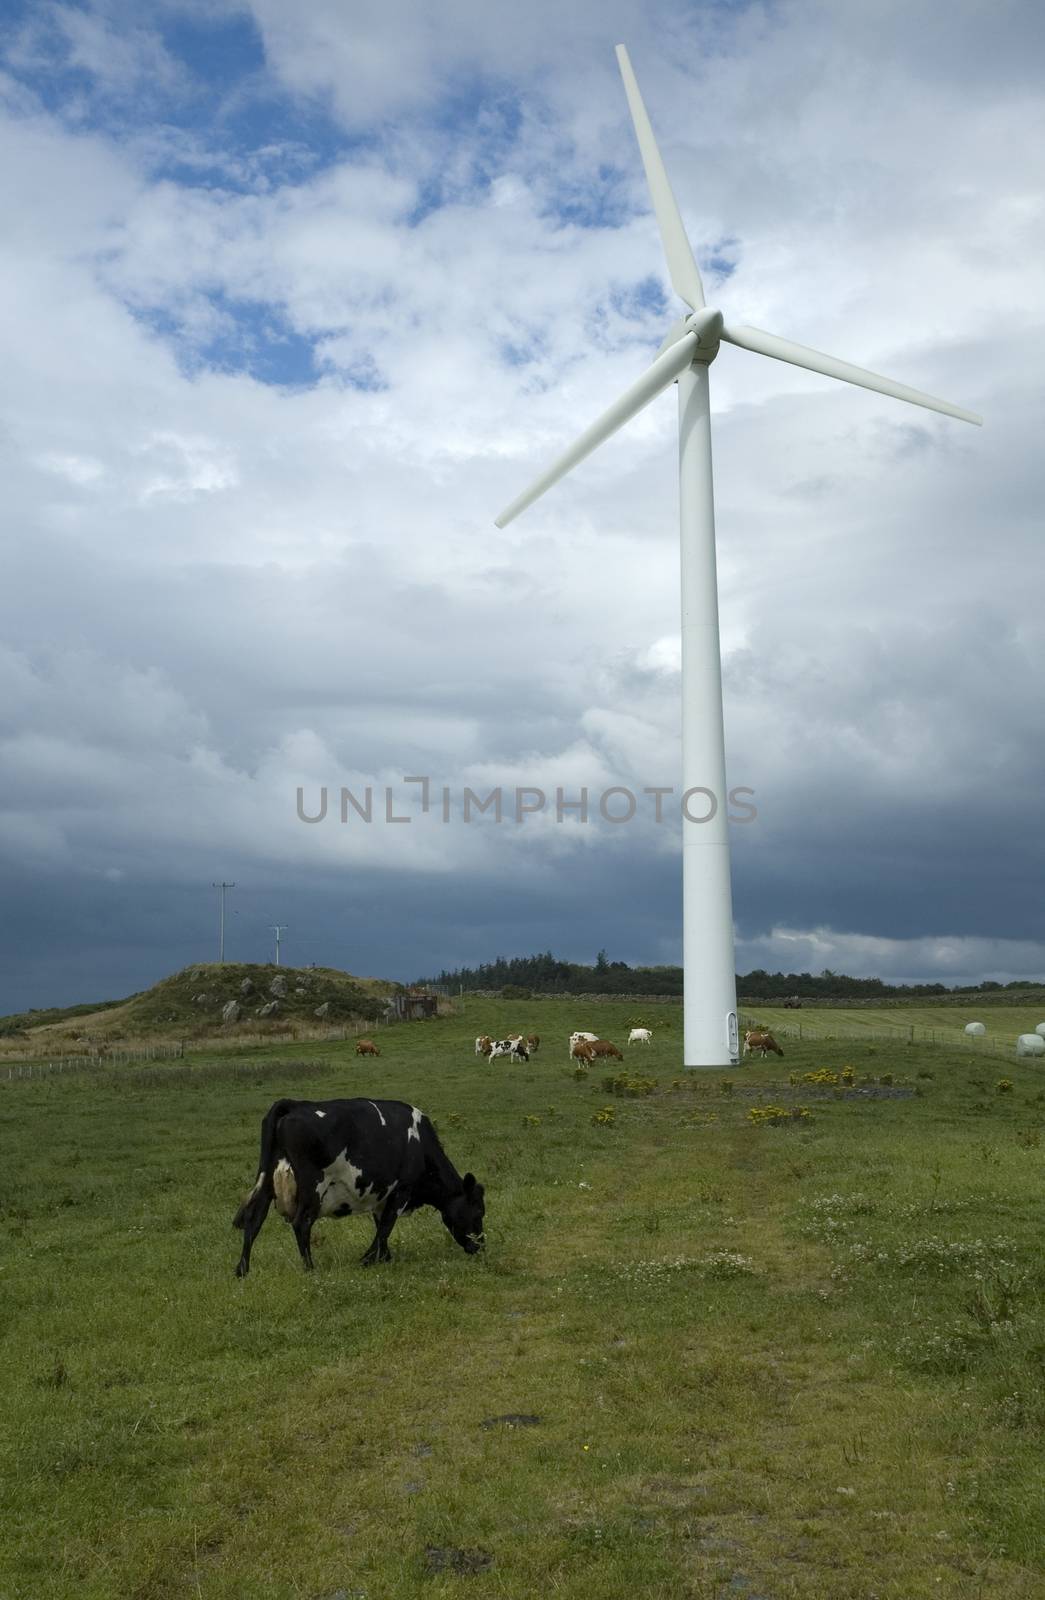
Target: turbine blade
(799, 355)
(681, 265)
(663, 372)
(673, 335)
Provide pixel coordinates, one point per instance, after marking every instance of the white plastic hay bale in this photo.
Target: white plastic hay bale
(975, 1029)
(1030, 1044)
(1040, 1029)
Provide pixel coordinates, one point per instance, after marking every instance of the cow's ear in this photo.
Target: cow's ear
(469, 1182)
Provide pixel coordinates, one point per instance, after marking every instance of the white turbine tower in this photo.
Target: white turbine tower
(711, 1037)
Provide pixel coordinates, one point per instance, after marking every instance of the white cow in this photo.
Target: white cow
(640, 1036)
(589, 1038)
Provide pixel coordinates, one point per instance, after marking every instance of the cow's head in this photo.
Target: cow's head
(463, 1214)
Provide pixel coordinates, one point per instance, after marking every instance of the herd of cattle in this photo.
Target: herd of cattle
(583, 1046)
(335, 1158)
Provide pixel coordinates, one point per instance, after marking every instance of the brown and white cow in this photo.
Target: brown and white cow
(762, 1041)
(605, 1047)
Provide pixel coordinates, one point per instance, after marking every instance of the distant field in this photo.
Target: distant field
(801, 1362)
(928, 1022)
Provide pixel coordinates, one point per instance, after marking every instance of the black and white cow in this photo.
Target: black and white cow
(330, 1158)
(515, 1049)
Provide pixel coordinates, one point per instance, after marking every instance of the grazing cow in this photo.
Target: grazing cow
(327, 1158)
(533, 1043)
(588, 1038)
(581, 1050)
(483, 1044)
(514, 1048)
(640, 1036)
(762, 1040)
(603, 1047)
(367, 1047)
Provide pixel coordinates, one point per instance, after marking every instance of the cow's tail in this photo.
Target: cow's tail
(266, 1161)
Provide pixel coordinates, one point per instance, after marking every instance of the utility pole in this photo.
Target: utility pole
(278, 928)
(221, 887)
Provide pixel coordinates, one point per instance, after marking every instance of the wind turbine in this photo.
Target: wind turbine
(709, 982)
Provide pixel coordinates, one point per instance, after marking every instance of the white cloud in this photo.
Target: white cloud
(936, 959)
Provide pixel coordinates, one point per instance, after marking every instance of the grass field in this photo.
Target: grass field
(745, 1360)
(921, 1024)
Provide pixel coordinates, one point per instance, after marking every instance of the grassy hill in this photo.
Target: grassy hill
(192, 1004)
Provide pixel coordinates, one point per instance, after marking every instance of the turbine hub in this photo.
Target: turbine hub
(707, 325)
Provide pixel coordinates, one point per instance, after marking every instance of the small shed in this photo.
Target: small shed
(413, 1005)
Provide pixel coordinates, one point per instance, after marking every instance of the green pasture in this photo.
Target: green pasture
(703, 1356)
(925, 1024)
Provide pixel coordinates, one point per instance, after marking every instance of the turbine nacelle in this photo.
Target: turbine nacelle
(707, 325)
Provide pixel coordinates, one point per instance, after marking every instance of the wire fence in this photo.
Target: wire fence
(893, 1033)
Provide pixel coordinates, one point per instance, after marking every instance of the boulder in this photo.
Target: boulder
(323, 1010)
(270, 1009)
(278, 988)
(246, 987)
(230, 1011)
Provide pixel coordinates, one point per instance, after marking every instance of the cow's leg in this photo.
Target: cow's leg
(254, 1214)
(304, 1217)
(383, 1226)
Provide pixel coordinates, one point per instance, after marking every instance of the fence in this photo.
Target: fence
(898, 1033)
(39, 1067)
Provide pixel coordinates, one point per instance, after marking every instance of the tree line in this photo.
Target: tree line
(544, 974)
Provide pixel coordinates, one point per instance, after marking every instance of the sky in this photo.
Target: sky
(296, 299)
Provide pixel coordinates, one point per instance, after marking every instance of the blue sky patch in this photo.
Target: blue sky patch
(602, 198)
(197, 91)
(250, 337)
(721, 257)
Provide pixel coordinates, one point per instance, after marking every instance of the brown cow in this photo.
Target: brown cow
(603, 1047)
(367, 1047)
(580, 1050)
(533, 1042)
